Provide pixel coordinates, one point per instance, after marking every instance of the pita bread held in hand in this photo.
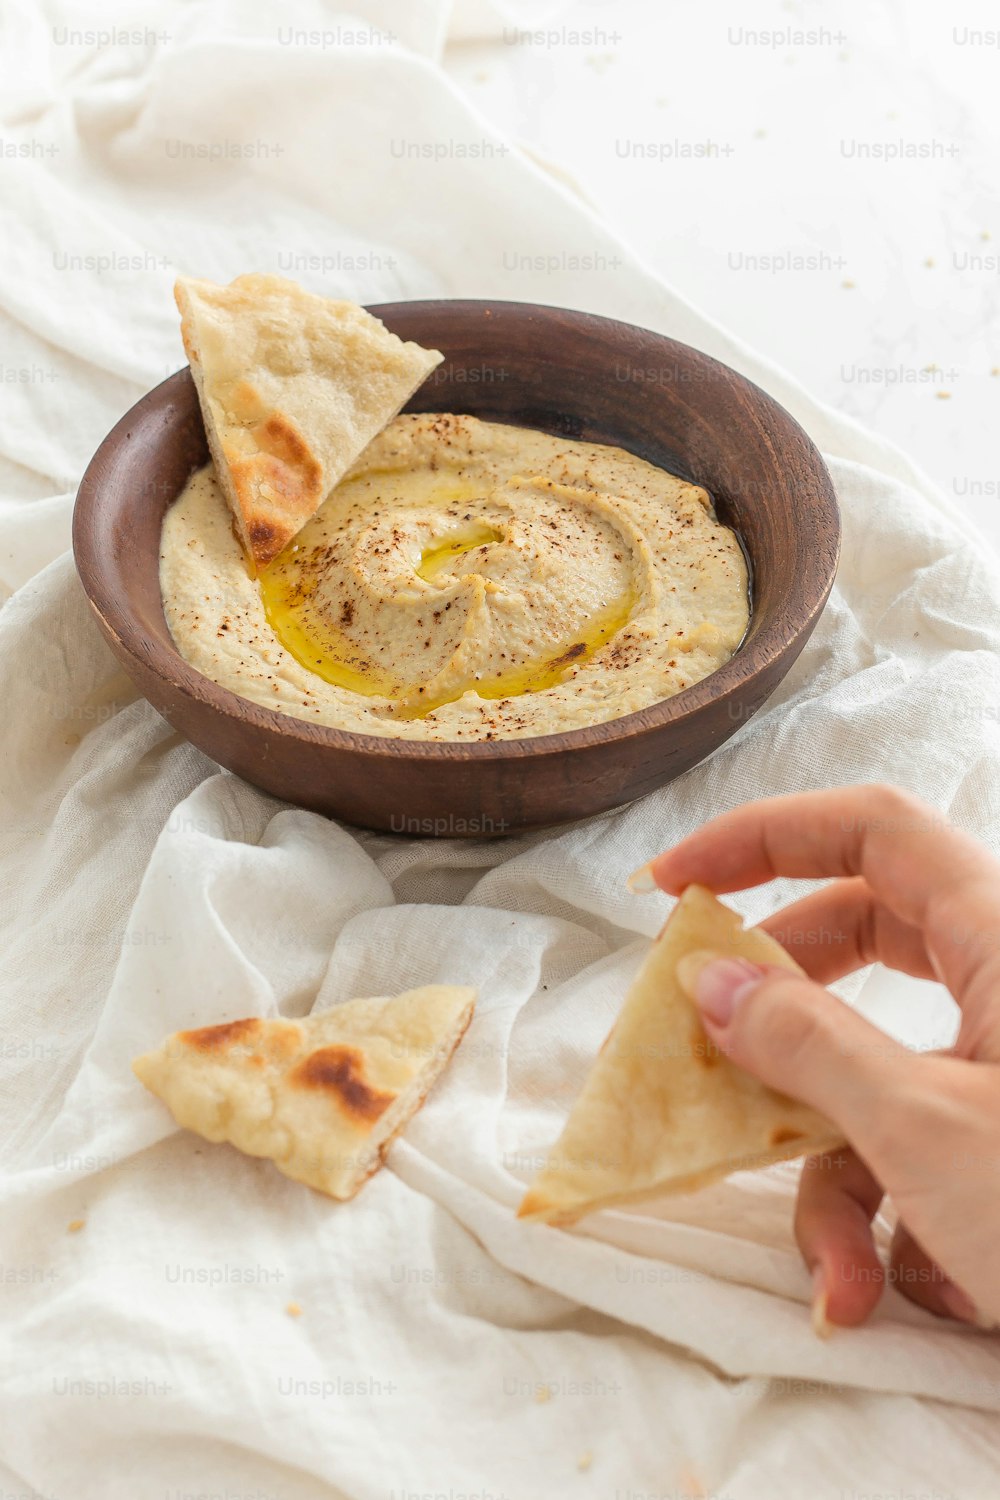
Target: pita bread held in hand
(293, 387)
(663, 1111)
(322, 1097)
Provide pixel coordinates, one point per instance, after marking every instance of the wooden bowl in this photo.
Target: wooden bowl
(567, 373)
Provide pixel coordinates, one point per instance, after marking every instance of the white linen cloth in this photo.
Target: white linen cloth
(149, 1352)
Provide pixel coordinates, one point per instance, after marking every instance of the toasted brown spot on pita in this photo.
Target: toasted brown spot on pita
(216, 1038)
(783, 1135)
(284, 440)
(340, 1072)
(265, 541)
(284, 465)
(242, 402)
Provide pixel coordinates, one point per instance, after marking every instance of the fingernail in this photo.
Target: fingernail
(641, 882)
(822, 1327)
(962, 1307)
(718, 985)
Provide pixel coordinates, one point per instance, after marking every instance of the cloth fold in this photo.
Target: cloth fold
(439, 1345)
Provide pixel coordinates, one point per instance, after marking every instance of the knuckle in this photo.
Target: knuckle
(896, 807)
(894, 1128)
(782, 1025)
(904, 1120)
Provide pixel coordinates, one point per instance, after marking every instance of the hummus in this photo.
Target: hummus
(464, 581)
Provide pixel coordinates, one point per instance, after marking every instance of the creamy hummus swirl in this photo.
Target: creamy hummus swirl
(466, 580)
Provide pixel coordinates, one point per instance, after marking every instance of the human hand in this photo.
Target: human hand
(918, 896)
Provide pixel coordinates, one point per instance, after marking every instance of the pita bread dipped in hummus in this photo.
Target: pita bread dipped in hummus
(662, 1110)
(291, 386)
(322, 1098)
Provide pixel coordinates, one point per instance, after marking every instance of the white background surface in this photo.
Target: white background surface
(789, 122)
(143, 890)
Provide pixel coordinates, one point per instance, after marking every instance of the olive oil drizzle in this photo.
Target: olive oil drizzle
(544, 672)
(285, 587)
(434, 560)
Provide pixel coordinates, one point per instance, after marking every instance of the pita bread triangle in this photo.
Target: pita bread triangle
(293, 387)
(322, 1097)
(662, 1110)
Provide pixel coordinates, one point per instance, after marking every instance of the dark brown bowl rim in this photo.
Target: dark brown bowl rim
(808, 593)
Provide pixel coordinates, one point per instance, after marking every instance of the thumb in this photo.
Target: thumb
(796, 1037)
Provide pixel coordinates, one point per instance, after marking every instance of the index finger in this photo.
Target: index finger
(926, 873)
